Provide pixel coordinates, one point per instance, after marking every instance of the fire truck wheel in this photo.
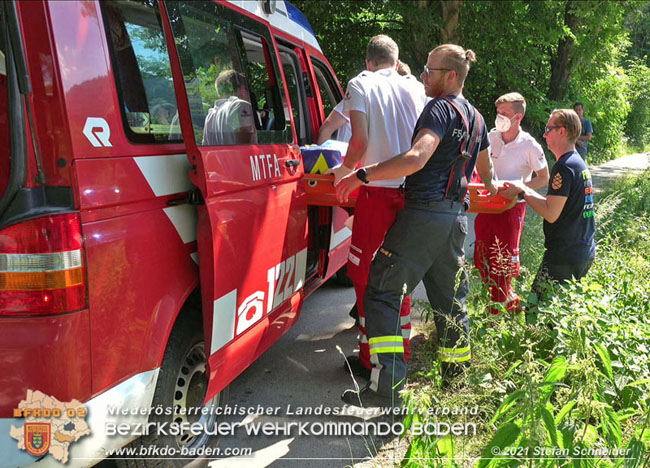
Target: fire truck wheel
(182, 384)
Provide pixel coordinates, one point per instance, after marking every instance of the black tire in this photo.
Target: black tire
(342, 279)
(182, 382)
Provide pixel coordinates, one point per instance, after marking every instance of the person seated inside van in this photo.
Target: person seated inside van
(231, 121)
(162, 114)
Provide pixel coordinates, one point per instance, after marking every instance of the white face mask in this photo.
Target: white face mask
(502, 123)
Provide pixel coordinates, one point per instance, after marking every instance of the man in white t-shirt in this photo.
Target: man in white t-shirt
(337, 120)
(231, 121)
(515, 155)
(383, 108)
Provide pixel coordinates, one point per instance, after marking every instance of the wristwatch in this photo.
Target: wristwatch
(362, 176)
(521, 195)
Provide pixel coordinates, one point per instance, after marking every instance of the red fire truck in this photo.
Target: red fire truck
(153, 245)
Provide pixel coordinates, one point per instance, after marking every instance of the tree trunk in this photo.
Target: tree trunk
(562, 63)
(450, 15)
(419, 32)
(427, 24)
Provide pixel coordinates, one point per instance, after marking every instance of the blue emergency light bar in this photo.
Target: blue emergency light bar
(297, 16)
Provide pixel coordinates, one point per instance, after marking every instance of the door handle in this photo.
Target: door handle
(193, 197)
(292, 162)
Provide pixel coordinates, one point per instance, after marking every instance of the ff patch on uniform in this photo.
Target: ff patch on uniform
(385, 252)
(557, 182)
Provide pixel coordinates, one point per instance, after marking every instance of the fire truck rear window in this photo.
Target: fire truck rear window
(142, 71)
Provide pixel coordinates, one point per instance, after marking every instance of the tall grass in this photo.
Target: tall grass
(573, 390)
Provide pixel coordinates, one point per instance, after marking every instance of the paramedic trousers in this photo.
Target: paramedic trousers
(374, 214)
(424, 244)
(496, 252)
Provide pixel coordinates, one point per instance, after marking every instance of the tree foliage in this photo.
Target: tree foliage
(553, 52)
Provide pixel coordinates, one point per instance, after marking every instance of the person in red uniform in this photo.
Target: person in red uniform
(383, 108)
(516, 156)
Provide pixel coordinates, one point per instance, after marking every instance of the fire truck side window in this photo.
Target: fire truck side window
(142, 70)
(231, 79)
(328, 90)
(292, 74)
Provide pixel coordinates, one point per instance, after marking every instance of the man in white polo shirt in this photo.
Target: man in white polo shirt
(383, 108)
(516, 155)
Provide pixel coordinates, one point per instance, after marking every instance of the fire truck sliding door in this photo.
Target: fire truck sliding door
(252, 224)
(330, 95)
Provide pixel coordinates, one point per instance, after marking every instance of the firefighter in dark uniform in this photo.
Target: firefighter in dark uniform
(425, 243)
(567, 209)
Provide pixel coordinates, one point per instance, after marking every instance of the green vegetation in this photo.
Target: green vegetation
(575, 383)
(554, 52)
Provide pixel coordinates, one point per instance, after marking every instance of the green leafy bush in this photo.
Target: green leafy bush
(637, 127)
(606, 106)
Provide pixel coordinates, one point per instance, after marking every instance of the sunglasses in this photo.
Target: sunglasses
(550, 128)
(429, 69)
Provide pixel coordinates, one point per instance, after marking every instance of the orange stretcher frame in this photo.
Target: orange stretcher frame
(481, 202)
(321, 192)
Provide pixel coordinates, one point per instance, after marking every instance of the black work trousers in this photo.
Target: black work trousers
(425, 243)
(553, 273)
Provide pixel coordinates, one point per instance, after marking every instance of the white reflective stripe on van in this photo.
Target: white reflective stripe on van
(166, 174)
(337, 238)
(26, 263)
(280, 20)
(223, 321)
(301, 268)
(184, 219)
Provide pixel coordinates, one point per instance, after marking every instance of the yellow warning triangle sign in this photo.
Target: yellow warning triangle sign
(320, 167)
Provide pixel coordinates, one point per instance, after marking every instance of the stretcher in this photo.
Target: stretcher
(319, 185)
(480, 200)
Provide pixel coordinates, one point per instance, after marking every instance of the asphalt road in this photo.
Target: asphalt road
(302, 370)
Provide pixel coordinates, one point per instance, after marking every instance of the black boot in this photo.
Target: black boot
(353, 364)
(451, 370)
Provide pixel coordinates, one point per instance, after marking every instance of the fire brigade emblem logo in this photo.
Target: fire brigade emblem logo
(51, 426)
(557, 182)
(37, 438)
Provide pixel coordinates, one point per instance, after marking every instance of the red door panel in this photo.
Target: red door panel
(252, 223)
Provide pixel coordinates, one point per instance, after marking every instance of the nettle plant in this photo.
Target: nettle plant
(583, 408)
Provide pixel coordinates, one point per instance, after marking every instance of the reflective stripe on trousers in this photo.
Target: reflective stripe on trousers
(386, 344)
(454, 354)
(405, 325)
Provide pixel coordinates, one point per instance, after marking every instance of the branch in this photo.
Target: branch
(374, 21)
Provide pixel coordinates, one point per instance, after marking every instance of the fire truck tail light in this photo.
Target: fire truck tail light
(41, 267)
(41, 280)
